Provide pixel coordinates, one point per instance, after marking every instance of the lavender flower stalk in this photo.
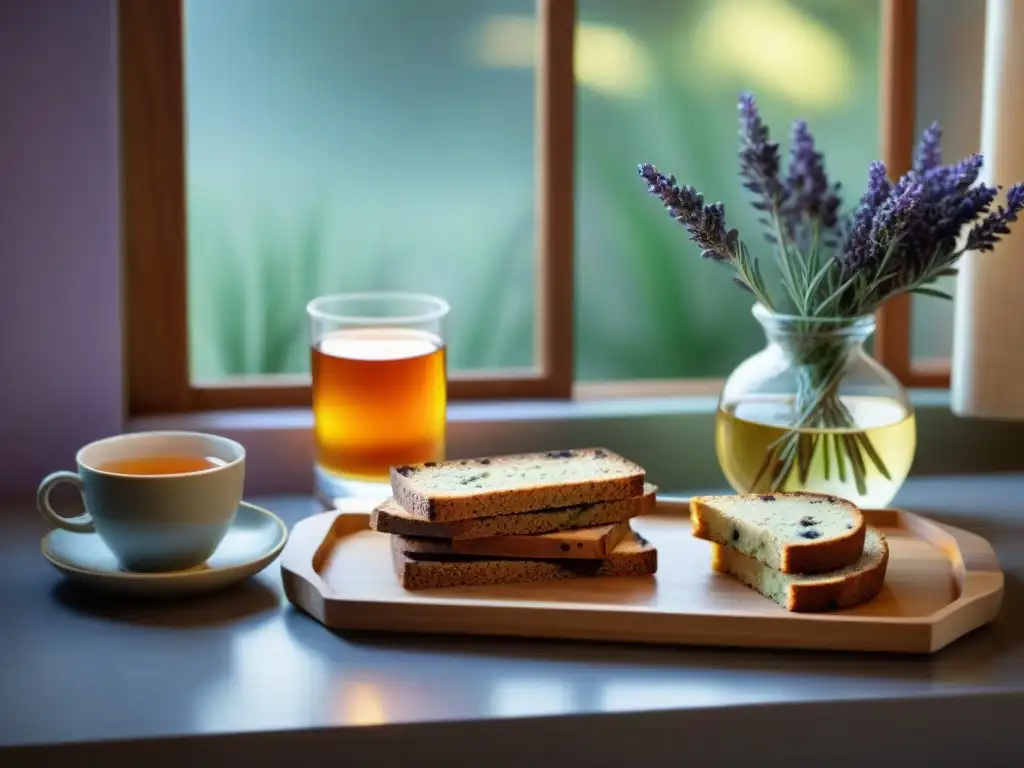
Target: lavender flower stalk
(984, 235)
(706, 225)
(808, 191)
(900, 238)
(856, 251)
(929, 151)
(759, 157)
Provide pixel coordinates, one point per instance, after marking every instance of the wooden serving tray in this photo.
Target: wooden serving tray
(942, 582)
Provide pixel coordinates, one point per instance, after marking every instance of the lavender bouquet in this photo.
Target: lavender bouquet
(900, 238)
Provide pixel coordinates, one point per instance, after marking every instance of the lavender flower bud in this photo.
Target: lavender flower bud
(989, 231)
(895, 213)
(949, 200)
(759, 157)
(946, 180)
(858, 239)
(808, 191)
(951, 214)
(876, 193)
(929, 151)
(705, 223)
(890, 227)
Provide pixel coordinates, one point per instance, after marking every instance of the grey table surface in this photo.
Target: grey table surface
(243, 673)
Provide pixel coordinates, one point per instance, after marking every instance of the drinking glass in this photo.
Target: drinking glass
(379, 388)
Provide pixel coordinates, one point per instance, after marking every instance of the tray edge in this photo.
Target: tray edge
(974, 563)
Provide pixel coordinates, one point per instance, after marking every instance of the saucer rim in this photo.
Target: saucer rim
(191, 573)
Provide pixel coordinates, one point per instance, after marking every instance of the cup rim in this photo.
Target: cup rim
(161, 433)
(441, 308)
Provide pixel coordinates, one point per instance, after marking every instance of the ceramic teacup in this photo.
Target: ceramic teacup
(161, 501)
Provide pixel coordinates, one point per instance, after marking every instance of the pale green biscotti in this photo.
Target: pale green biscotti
(508, 485)
(390, 517)
(843, 588)
(790, 532)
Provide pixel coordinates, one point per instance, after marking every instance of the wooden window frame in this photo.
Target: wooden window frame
(153, 165)
(899, 88)
(150, 47)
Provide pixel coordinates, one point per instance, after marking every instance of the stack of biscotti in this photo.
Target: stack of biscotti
(807, 552)
(519, 518)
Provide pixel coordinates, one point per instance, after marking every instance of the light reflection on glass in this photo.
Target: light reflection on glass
(526, 697)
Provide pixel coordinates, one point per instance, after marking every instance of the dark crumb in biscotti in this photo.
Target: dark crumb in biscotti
(808, 520)
(735, 534)
(810, 534)
(485, 462)
(405, 471)
(579, 545)
(767, 497)
(564, 547)
(559, 454)
(599, 454)
(430, 464)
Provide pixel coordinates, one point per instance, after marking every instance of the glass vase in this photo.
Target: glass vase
(812, 411)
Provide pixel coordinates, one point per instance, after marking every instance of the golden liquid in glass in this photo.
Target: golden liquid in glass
(744, 432)
(379, 398)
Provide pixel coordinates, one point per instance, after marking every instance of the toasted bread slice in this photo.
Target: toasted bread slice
(790, 532)
(634, 556)
(843, 588)
(581, 544)
(508, 485)
(389, 517)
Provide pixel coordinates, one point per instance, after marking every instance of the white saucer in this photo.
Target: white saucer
(253, 541)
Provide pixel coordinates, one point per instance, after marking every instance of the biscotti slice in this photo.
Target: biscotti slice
(790, 532)
(843, 588)
(635, 556)
(581, 544)
(389, 517)
(508, 485)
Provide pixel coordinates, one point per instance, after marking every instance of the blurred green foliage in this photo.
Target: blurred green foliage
(337, 146)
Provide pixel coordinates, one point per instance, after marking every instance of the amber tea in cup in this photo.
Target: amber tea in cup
(160, 465)
(379, 387)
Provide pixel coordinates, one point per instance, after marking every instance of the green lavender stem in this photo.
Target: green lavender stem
(819, 360)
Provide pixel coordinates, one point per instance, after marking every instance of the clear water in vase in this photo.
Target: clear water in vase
(746, 430)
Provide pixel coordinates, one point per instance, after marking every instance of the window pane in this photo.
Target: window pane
(931, 325)
(949, 84)
(658, 82)
(346, 145)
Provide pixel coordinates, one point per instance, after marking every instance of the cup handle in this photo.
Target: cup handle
(80, 524)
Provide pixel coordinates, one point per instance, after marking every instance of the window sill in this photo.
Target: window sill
(672, 437)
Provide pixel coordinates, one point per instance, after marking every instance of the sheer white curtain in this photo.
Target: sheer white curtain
(988, 337)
